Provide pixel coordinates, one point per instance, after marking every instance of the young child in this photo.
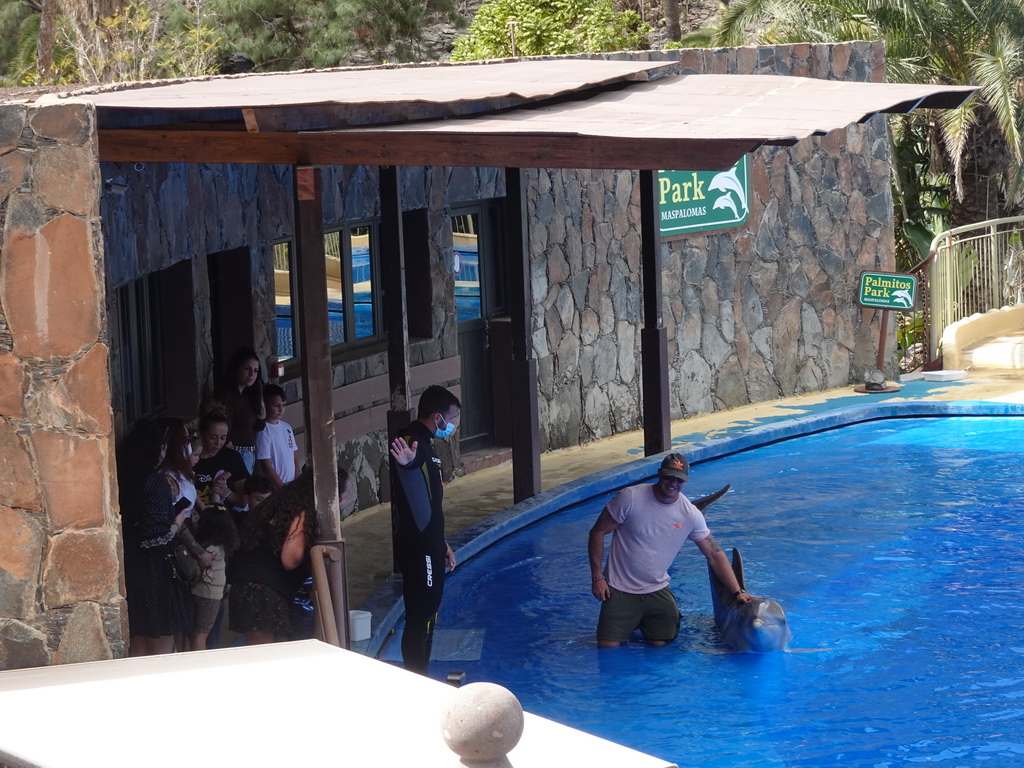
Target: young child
(217, 534)
(255, 490)
(276, 450)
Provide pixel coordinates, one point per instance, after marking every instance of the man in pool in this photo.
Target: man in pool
(649, 524)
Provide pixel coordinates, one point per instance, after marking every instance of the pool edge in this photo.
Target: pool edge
(386, 604)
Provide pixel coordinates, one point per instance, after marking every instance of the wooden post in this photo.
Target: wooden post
(525, 410)
(313, 333)
(392, 255)
(653, 337)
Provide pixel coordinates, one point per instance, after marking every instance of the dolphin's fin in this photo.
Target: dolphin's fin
(706, 501)
(737, 568)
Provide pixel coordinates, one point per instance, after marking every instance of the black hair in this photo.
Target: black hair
(258, 484)
(272, 519)
(436, 399)
(216, 527)
(273, 390)
(138, 454)
(229, 382)
(178, 439)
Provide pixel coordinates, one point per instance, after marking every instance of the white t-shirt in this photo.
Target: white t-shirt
(648, 538)
(277, 443)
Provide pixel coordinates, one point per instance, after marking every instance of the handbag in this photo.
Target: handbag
(185, 567)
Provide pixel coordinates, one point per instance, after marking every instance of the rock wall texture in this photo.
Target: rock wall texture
(60, 592)
(762, 311)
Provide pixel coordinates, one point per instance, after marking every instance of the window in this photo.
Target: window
(466, 265)
(353, 288)
(286, 341)
(139, 349)
(153, 348)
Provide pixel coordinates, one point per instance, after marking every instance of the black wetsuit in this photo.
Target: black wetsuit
(420, 544)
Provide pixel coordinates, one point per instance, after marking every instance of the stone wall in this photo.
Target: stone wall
(763, 311)
(60, 591)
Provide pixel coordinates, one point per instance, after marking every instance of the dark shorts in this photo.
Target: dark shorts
(256, 607)
(655, 614)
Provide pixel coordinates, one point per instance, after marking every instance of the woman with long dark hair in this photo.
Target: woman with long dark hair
(272, 562)
(241, 393)
(159, 603)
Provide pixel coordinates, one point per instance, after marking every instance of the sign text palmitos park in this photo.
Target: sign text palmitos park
(887, 290)
(697, 201)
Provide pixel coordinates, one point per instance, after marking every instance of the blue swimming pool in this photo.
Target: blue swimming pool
(894, 546)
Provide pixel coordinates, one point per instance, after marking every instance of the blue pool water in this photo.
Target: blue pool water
(895, 548)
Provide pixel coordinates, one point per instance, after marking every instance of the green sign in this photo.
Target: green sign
(887, 290)
(696, 201)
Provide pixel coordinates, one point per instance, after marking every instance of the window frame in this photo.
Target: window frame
(351, 345)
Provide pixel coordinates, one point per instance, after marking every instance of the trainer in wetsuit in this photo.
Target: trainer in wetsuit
(420, 542)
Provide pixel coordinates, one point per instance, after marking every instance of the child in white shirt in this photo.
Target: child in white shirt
(276, 449)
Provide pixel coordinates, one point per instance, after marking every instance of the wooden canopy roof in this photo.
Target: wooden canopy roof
(550, 113)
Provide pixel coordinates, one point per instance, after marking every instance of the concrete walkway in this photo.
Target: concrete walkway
(475, 497)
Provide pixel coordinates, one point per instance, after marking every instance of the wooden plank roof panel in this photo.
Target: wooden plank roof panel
(441, 84)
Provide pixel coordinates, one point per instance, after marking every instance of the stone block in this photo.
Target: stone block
(21, 551)
(12, 124)
(18, 486)
(84, 637)
(87, 392)
(64, 123)
(80, 566)
(71, 469)
(13, 385)
(730, 386)
(22, 646)
(67, 178)
(13, 167)
(49, 290)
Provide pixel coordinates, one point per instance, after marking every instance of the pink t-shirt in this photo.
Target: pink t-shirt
(648, 538)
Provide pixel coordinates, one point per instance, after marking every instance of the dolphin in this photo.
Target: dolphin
(759, 626)
(902, 296)
(706, 501)
(728, 181)
(726, 202)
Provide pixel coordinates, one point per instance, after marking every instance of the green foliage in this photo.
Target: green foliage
(393, 29)
(503, 28)
(137, 43)
(283, 34)
(19, 30)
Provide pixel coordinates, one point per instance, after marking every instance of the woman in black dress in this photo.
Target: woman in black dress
(159, 603)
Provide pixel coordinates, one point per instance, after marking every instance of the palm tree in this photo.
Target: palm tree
(950, 42)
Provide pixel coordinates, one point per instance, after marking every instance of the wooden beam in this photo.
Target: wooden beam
(526, 477)
(312, 327)
(392, 255)
(653, 337)
(408, 148)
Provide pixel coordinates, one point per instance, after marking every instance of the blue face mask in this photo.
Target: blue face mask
(449, 427)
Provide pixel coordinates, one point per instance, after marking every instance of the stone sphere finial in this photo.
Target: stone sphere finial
(483, 723)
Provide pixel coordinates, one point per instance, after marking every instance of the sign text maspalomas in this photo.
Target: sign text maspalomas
(697, 201)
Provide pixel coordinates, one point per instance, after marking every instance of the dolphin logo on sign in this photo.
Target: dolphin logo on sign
(903, 297)
(728, 183)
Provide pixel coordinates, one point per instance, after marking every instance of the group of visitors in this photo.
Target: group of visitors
(220, 511)
(233, 498)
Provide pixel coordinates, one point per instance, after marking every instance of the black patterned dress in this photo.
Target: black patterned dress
(159, 604)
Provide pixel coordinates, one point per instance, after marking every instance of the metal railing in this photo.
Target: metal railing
(968, 270)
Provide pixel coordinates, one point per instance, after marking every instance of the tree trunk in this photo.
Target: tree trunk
(985, 161)
(44, 46)
(672, 19)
